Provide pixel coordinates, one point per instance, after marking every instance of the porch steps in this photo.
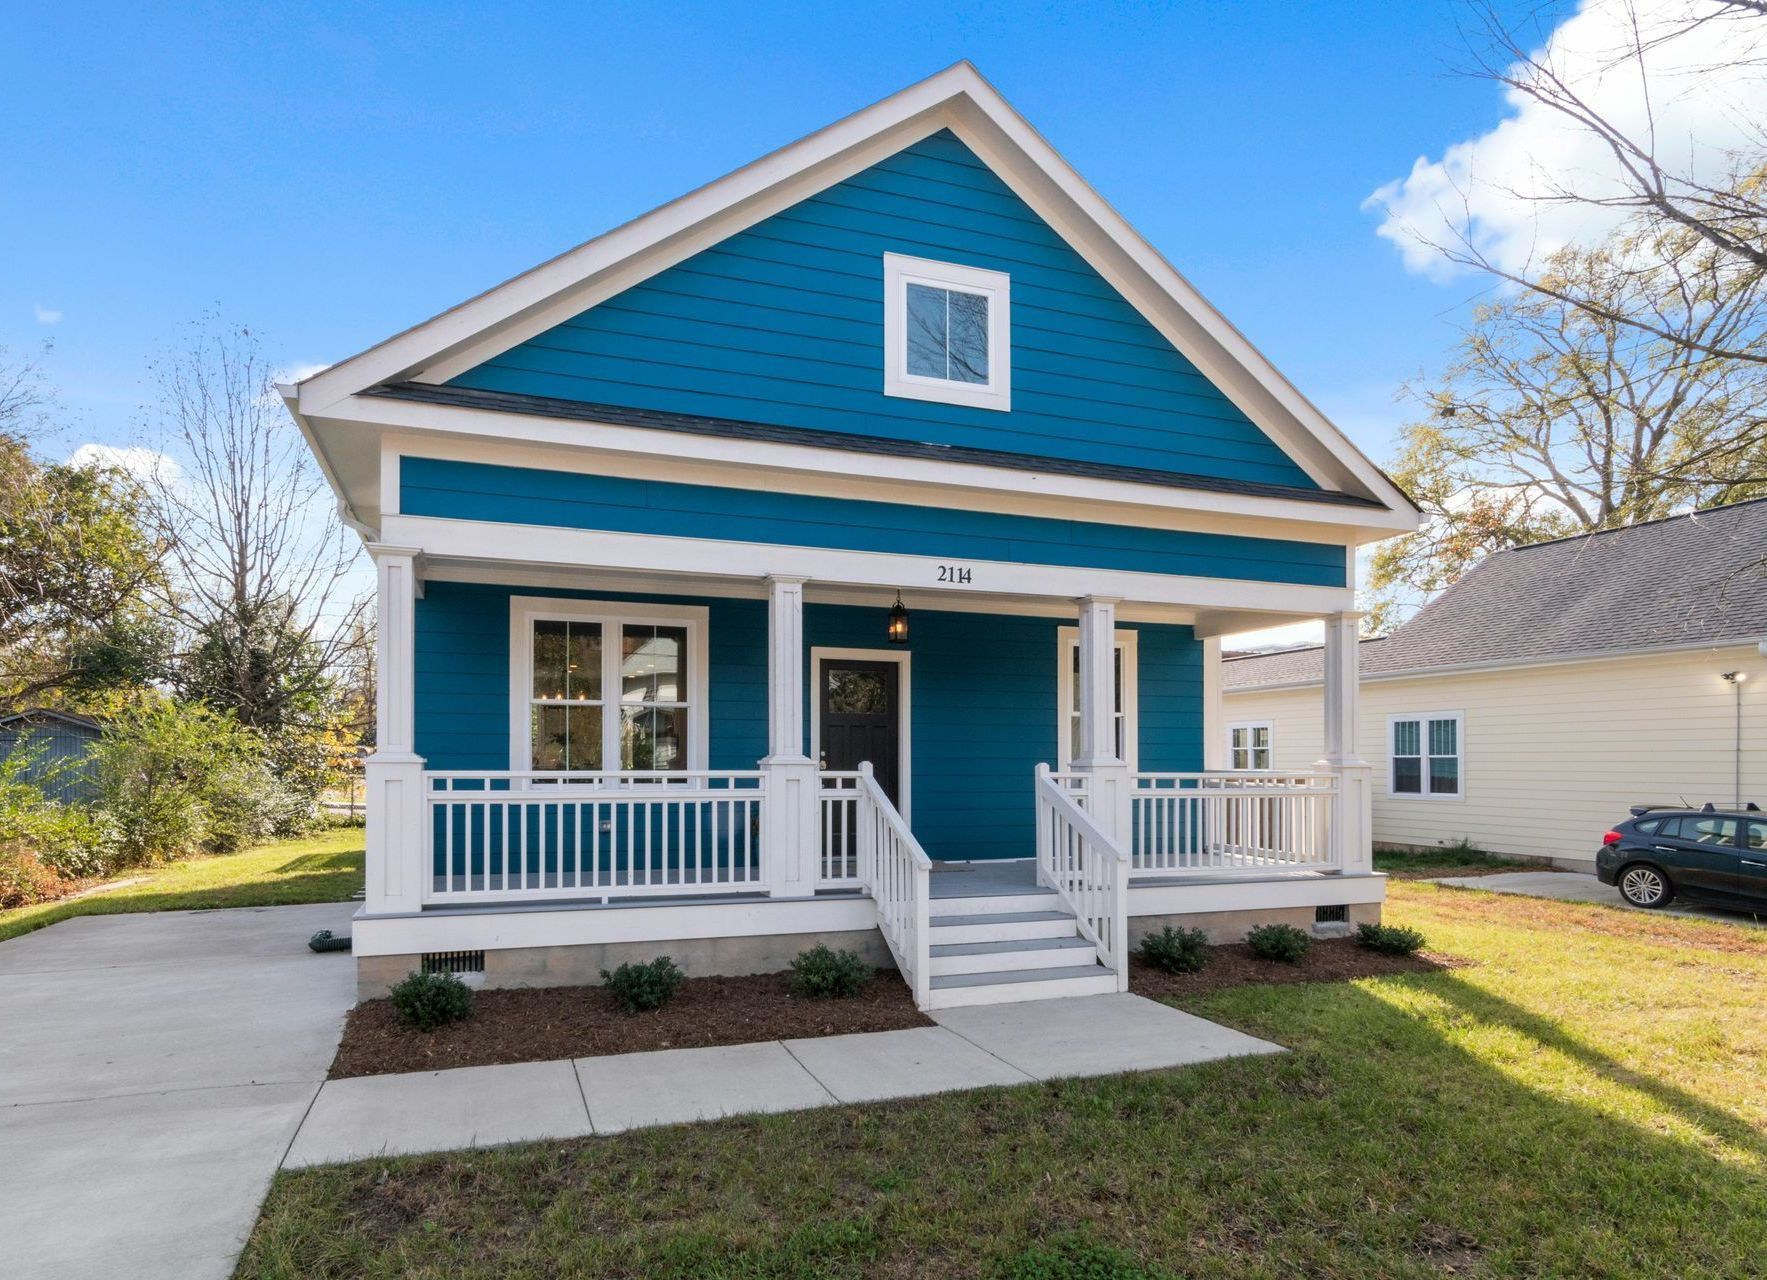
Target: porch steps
(1023, 953)
(1006, 947)
(957, 989)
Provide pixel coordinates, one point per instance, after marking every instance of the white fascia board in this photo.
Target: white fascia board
(519, 544)
(959, 99)
(346, 510)
(499, 438)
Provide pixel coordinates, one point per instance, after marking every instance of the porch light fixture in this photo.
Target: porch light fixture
(898, 629)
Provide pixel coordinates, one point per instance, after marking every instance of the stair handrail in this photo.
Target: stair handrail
(1089, 871)
(896, 872)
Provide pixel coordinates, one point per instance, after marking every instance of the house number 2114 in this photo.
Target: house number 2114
(954, 573)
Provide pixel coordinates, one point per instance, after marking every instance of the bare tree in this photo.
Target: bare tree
(1555, 420)
(1658, 178)
(260, 567)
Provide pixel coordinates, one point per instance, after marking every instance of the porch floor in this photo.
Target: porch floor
(996, 877)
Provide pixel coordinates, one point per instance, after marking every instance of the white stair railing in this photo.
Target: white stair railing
(838, 867)
(1088, 870)
(897, 874)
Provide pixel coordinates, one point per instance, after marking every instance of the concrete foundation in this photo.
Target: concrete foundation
(1232, 926)
(581, 965)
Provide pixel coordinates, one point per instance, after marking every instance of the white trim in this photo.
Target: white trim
(584, 445)
(904, 659)
(524, 611)
(958, 99)
(1251, 748)
(535, 545)
(1423, 718)
(900, 271)
(1128, 643)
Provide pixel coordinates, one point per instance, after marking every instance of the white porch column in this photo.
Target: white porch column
(793, 835)
(1214, 708)
(1352, 826)
(1107, 773)
(398, 840)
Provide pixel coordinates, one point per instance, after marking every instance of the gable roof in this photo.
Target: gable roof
(1683, 582)
(958, 99)
(36, 715)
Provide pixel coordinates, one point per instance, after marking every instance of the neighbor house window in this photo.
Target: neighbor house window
(1123, 709)
(1426, 754)
(607, 687)
(947, 333)
(1248, 745)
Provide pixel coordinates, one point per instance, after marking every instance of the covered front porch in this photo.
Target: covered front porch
(812, 779)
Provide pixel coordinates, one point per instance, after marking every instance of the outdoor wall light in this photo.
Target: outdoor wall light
(898, 628)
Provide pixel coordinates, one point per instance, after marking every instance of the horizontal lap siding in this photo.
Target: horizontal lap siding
(462, 675)
(524, 495)
(983, 700)
(783, 324)
(1553, 755)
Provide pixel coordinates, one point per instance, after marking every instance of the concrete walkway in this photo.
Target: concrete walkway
(153, 1069)
(970, 1048)
(1571, 886)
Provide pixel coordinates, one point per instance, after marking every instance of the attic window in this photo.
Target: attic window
(947, 333)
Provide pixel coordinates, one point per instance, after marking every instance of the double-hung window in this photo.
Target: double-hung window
(947, 333)
(606, 687)
(1248, 745)
(1425, 753)
(1124, 697)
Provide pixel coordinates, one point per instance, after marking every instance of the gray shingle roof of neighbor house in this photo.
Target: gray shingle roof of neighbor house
(1687, 580)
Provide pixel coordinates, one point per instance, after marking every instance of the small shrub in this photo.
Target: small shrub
(1281, 942)
(825, 974)
(1389, 939)
(1176, 950)
(430, 1000)
(639, 988)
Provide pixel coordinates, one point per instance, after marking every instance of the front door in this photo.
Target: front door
(859, 708)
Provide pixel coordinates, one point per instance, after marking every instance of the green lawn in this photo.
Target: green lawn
(322, 868)
(1450, 860)
(1585, 1099)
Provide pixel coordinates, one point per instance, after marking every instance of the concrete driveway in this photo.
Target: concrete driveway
(153, 1070)
(1572, 886)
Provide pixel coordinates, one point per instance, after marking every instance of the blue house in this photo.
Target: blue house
(840, 553)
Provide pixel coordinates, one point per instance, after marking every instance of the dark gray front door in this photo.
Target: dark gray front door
(859, 706)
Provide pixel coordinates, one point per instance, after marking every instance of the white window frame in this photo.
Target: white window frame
(1423, 719)
(525, 611)
(901, 271)
(1251, 751)
(904, 660)
(1067, 643)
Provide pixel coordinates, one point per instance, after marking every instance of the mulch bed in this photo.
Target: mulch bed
(1235, 965)
(542, 1023)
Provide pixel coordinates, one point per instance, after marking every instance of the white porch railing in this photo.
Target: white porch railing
(1087, 869)
(522, 837)
(838, 864)
(896, 872)
(1225, 823)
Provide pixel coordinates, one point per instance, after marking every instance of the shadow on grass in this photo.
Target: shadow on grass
(1379, 1147)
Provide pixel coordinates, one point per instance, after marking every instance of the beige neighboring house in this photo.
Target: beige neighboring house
(1530, 704)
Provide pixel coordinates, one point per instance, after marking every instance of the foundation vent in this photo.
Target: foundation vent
(1339, 914)
(454, 962)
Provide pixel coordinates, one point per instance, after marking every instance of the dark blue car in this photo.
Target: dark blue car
(1718, 855)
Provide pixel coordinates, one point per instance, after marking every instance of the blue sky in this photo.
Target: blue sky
(331, 174)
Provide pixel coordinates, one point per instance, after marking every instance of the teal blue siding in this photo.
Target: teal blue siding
(477, 491)
(983, 701)
(783, 324)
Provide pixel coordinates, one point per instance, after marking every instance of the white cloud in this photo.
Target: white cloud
(298, 372)
(47, 315)
(1700, 107)
(138, 461)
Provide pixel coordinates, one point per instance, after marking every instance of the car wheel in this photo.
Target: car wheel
(1643, 885)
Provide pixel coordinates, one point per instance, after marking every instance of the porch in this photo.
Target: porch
(800, 847)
